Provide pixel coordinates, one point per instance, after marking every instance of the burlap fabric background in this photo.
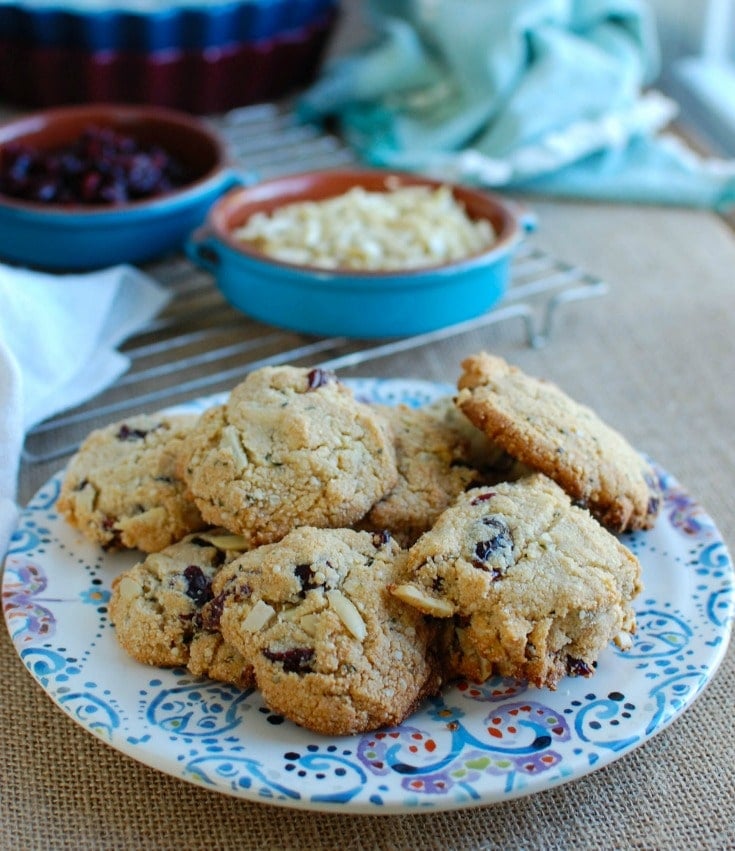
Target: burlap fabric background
(655, 357)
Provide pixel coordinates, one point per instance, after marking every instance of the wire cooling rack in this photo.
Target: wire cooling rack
(199, 345)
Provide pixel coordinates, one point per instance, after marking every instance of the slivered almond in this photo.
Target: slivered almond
(86, 498)
(259, 616)
(416, 598)
(225, 541)
(623, 640)
(231, 441)
(128, 589)
(346, 611)
(290, 614)
(153, 515)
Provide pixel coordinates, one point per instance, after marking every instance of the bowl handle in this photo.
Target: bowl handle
(527, 218)
(237, 177)
(201, 249)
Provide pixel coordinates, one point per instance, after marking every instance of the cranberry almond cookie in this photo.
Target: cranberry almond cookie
(535, 586)
(290, 447)
(122, 489)
(160, 609)
(432, 470)
(478, 451)
(439, 454)
(537, 423)
(331, 649)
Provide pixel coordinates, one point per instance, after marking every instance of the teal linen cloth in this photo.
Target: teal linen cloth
(544, 96)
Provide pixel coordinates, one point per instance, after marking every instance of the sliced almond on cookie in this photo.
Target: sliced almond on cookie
(416, 598)
(347, 612)
(258, 617)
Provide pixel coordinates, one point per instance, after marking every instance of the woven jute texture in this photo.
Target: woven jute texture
(655, 357)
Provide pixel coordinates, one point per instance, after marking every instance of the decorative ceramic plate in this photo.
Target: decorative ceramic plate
(472, 745)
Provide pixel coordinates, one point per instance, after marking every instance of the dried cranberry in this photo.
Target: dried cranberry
(240, 592)
(89, 185)
(578, 667)
(209, 616)
(127, 433)
(144, 175)
(305, 575)
(483, 497)
(380, 539)
(115, 540)
(101, 166)
(295, 661)
(198, 587)
(319, 377)
(500, 540)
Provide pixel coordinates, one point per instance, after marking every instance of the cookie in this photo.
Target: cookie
(331, 649)
(290, 447)
(159, 608)
(433, 455)
(477, 450)
(536, 588)
(537, 423)
(122, 490)
(212, 657)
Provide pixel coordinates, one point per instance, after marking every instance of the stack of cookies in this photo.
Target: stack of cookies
(349, 559)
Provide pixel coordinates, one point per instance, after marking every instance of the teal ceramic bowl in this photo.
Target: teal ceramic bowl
(344, 302)
(64, 237)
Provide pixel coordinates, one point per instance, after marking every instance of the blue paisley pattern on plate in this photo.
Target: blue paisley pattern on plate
(473, 744)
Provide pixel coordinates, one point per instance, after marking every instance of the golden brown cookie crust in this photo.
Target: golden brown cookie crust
(122, 489)
(433, 468)
(536, 586)
(537, 423)
(159, 608)
(211, 656)
(332, 650)
(290, 447)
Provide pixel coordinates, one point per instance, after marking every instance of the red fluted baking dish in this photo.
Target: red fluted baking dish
(207, 79)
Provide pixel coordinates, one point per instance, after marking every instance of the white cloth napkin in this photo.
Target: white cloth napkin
(58, 341)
